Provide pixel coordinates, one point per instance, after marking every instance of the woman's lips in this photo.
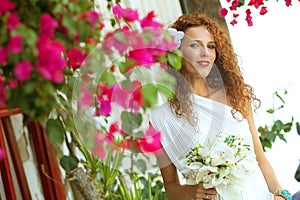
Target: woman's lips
(203, 63)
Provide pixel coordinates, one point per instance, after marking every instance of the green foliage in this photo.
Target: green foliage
(146, 187)
(55, 131)
(269, 133)
(69, 163)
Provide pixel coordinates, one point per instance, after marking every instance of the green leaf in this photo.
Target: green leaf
(141, 165)
(149, 92)
(271, 136)
(277, 126)
(69, 163)
(70, 25)
(131, 121)
(174, 60)
(55, 131)
(108, 78)
(271, 111)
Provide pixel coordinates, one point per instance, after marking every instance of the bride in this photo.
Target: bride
(210, 97)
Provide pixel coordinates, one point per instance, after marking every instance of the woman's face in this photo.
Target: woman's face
(199, 53)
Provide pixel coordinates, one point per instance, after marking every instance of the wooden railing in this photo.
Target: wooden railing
(45, 156)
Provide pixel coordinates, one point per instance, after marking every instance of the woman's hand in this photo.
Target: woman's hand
(278, 198)
(198, 192)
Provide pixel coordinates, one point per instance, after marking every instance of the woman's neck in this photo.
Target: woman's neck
(200, 87)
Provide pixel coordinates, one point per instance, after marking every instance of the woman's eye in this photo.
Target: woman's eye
(211, 46)
(194, 45)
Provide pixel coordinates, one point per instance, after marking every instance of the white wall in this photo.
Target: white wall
(269, 51)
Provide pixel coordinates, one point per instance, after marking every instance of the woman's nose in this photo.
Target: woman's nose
(204, 52)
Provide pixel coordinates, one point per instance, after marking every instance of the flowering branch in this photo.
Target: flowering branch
(234, 5)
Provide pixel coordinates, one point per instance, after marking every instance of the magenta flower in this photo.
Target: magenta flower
(263, 10)
(223, 12)
(15, 44)
(288, 2)
(234, 4)
(112, 42)
(47, 25)
(2, 154)
(99, 152)
(149, 22)
(145, 56)
(6, 5)
(136, 98)
(151, 142)
(22, 70)
(3, 56)
(256, 3)
(93, 16)
(248, 17)
(113, 130)
(12, 21)
(12, 83)
(51, 63)
(128, 14)
(104, 100)
(233, 22)
(76, 57)
(86, 98)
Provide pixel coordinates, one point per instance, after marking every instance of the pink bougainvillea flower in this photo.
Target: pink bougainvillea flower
(99, 152)
(2, 154)
(235, 15)
(256, 3)
(128, 14)
(15, 44)
(233, 22)
(12, 83)
(149, 22)
(104, 100)
(263, 10)
(47, 25)
(51, 63)
(12, 21)
(111, 42)
(86, 98)
(104, 108)
(234, 4)
(136, 98)
(3, 56)
(114, 131)
(144, 56)
(223, 12)
(76, 57)
(99, 137)
(120, 96)
(248, 17)
(288, 3)
(151, 142)
(22, 70)
(93, 16)
(6, 5)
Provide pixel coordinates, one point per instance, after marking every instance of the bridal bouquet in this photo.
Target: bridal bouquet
(222, 165)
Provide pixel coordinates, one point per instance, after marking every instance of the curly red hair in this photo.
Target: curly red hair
(225, 73)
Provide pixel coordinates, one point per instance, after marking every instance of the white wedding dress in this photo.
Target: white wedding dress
(178, 137)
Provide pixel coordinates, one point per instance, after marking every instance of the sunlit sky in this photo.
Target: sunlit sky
(269, 53)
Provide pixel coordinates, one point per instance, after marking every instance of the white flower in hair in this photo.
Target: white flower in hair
(178, 35)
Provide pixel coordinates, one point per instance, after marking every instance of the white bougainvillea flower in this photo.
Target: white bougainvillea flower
(178, 35)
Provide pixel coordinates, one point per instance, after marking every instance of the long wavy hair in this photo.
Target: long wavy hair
(225, 73)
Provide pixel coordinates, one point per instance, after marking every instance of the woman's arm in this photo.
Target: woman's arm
(264, 164)
(174, 190)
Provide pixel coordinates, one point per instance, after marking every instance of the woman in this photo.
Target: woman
(210, 97)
